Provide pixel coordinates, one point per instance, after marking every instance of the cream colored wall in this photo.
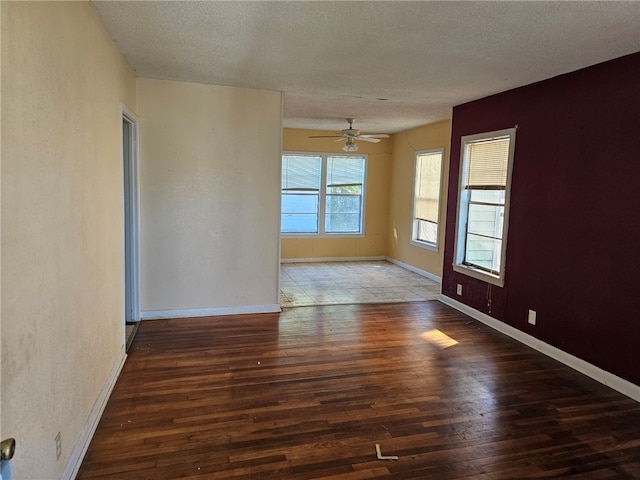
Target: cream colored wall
(209, 197)
(374, 241)
(62, 256)
(405, 146)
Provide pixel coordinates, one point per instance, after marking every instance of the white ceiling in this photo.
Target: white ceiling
(391, 65)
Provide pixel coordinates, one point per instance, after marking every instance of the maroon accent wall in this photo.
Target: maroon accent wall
(573, 251)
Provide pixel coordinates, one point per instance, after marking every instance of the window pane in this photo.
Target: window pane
(299, 223)
(488, 196)
(343, 214)
(342, 223)
(301, 180)
(346, 189)
(299, 203)
(483, 252)
(299, 213)
(343, 208)
(343, 204)
(485, 220)
(427, 186)
(426, 231)
(426, 197)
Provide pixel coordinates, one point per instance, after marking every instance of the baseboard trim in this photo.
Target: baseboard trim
(333, 259)
(596, 373)
(80, 449)
(413, 269)
(209, 312)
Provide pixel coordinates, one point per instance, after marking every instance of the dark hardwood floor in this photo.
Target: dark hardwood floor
(307, 394)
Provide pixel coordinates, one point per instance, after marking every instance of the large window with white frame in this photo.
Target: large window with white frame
(483, 205)
(426, 198)
(322, 194)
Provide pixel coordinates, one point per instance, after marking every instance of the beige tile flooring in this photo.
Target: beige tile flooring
(331, 283)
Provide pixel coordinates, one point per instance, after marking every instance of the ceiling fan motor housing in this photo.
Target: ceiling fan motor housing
(350, 132)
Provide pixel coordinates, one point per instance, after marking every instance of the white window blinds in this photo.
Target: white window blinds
(487, 164)
(344, 171)
(427, 188)
(301, 172)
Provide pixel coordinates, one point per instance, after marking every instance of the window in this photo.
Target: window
(426, 198)
(483, 204)
(322, 194)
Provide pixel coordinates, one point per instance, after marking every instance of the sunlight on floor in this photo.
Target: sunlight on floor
(439, 339)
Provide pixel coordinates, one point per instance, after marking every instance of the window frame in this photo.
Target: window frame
(464, 196)
(414, 221)
(322, 197)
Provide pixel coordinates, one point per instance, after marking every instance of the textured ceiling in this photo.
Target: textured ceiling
(391, 65)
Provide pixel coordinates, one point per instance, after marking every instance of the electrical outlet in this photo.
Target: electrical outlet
(459, 289)
(58, 445)
(532, 317)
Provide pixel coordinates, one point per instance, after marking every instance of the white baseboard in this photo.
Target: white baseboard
(606, 378)
(209, 312)
(417, 270)
(80, 449)
(333, 259)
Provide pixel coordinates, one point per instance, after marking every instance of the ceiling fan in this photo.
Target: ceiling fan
(351, 135)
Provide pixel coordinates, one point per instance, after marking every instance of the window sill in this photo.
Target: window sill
(427, 246)
(321, 235)
(479, 274)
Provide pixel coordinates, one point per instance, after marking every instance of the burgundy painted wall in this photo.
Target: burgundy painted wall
(573, 250)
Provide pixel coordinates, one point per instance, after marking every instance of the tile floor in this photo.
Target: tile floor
(332, 283)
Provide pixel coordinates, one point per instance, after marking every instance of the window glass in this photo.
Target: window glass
(426, 198)
(307, 196)
(301, 181)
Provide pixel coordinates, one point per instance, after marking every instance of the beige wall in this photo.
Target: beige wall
(209, 198)
(374, 241)
(62, 256)
(405, 146)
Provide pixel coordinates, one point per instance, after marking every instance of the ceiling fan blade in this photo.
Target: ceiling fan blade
(374, 135)
(324, 136)
(367, 139)
(339, 140)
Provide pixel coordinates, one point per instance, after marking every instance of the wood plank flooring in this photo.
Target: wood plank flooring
(306, 394)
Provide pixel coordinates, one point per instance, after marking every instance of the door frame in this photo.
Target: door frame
(130, 222)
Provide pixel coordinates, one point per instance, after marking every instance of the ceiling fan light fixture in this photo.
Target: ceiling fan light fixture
(350, 146)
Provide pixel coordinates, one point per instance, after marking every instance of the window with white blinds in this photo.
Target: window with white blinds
(322, 194)
(483, 204)
(426, 198)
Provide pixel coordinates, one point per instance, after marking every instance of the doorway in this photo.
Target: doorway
(131, 217)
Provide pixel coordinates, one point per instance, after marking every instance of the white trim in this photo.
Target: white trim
(134, 199)
(417, 270)
(209, 312)
(596, 373)
(322, 235)
(80, 449)
(426, 245)
(333, 259)
(470, 271)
